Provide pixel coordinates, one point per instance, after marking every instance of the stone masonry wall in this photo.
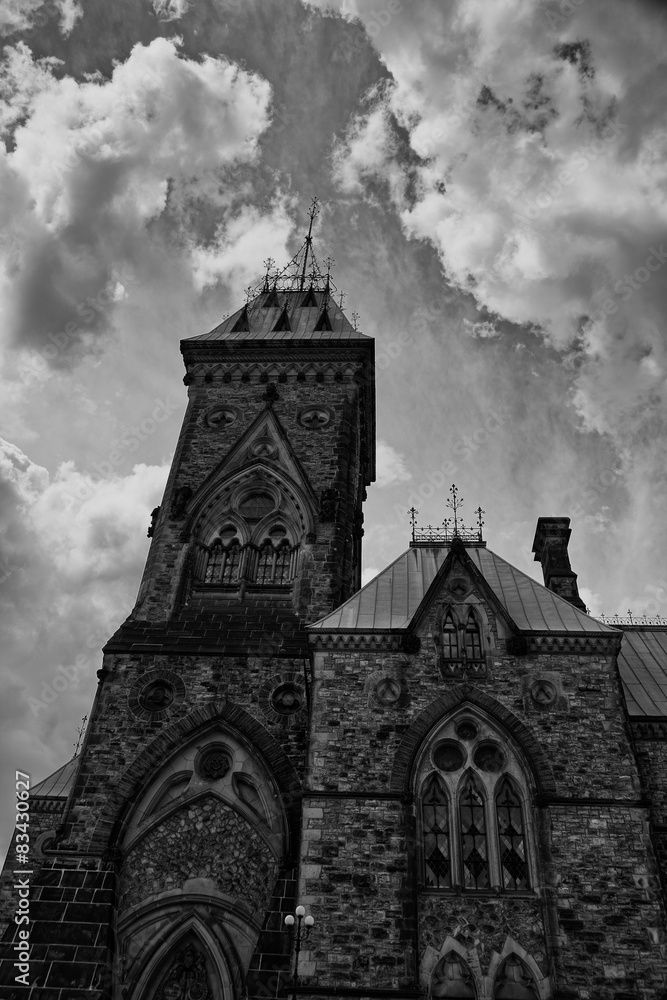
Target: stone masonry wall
(117, 735)
(71, 920)
(329, 456)
(205, 839)
(590, 830)
(354, 877)
(652, 760)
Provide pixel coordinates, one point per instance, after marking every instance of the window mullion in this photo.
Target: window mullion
(493, 843)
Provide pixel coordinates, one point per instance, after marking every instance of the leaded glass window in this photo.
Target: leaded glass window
(473, 638)
(450, 639)
(474, 848)
(274, 564)
(511, 838)
(435, 819)
(224, 562)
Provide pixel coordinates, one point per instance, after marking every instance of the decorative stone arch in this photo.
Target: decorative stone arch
(113, 817)
(210, 501)
(146, 972)
(458, 695)
(432, 958)
(511, 947)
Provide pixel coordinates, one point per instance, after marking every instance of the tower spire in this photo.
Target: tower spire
(312, 212)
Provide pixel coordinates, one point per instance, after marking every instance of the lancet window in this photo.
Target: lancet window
(460, 642)
(450, 639)
(257, 547)
(473, 792)
(435, 811)
(473, 639)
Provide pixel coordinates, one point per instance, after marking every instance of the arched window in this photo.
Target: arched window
(274, 560)
(188, 974)
(435, 822)
(224, 561)
(514, 981)
(472, 826)
(450, 639)
(256, 549)
(511, 837)
(453, 979)
(473, 638)
(474, 819)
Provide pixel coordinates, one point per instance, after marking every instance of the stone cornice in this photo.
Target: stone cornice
(582, 644)
(649, 729)
(546, 643)
(385, 641)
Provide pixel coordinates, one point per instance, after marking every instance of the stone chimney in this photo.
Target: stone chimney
(550, 547)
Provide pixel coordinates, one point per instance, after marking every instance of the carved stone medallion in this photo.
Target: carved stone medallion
(220, 416)
(315, 417)
(214, 762)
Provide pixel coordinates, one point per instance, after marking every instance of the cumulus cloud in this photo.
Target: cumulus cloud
(21, 15)
(71, 552)
(170, 10)
(98, 165)
(391, 466)
(541, 185)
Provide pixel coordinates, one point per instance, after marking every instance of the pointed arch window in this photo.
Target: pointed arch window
(511, 837)
(514, 981)
(450, 639)
(256, 549)
(475, 827)
(473, 638)
(435, 820)
(453, 979)
(474, 846)
(224, 561)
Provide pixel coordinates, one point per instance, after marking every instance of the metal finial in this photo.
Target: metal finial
(341, 299)
(248, 294)
(454, 504)
(413, 520)
(80, 731)
(480, 520)
(312, 212)
(355, 319)
(268, 264)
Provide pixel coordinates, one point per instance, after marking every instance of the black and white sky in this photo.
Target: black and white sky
(493, 187)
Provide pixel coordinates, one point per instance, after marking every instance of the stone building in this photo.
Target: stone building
(457, 771)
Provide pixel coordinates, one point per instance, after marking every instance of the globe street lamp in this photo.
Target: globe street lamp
(298, 932)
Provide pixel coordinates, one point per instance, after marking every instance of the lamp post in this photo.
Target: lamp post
(299, 933)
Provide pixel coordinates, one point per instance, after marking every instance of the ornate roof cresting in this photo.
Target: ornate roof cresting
(451, 527)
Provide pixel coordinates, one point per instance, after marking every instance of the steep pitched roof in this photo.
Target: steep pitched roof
(392, 599)
(58, 784)
(642, 664)
(259, 318)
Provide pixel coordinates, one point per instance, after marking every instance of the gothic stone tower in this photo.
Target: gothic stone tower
(452, 768)
(170, 845)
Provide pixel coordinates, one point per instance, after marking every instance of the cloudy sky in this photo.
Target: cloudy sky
(493, 190)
